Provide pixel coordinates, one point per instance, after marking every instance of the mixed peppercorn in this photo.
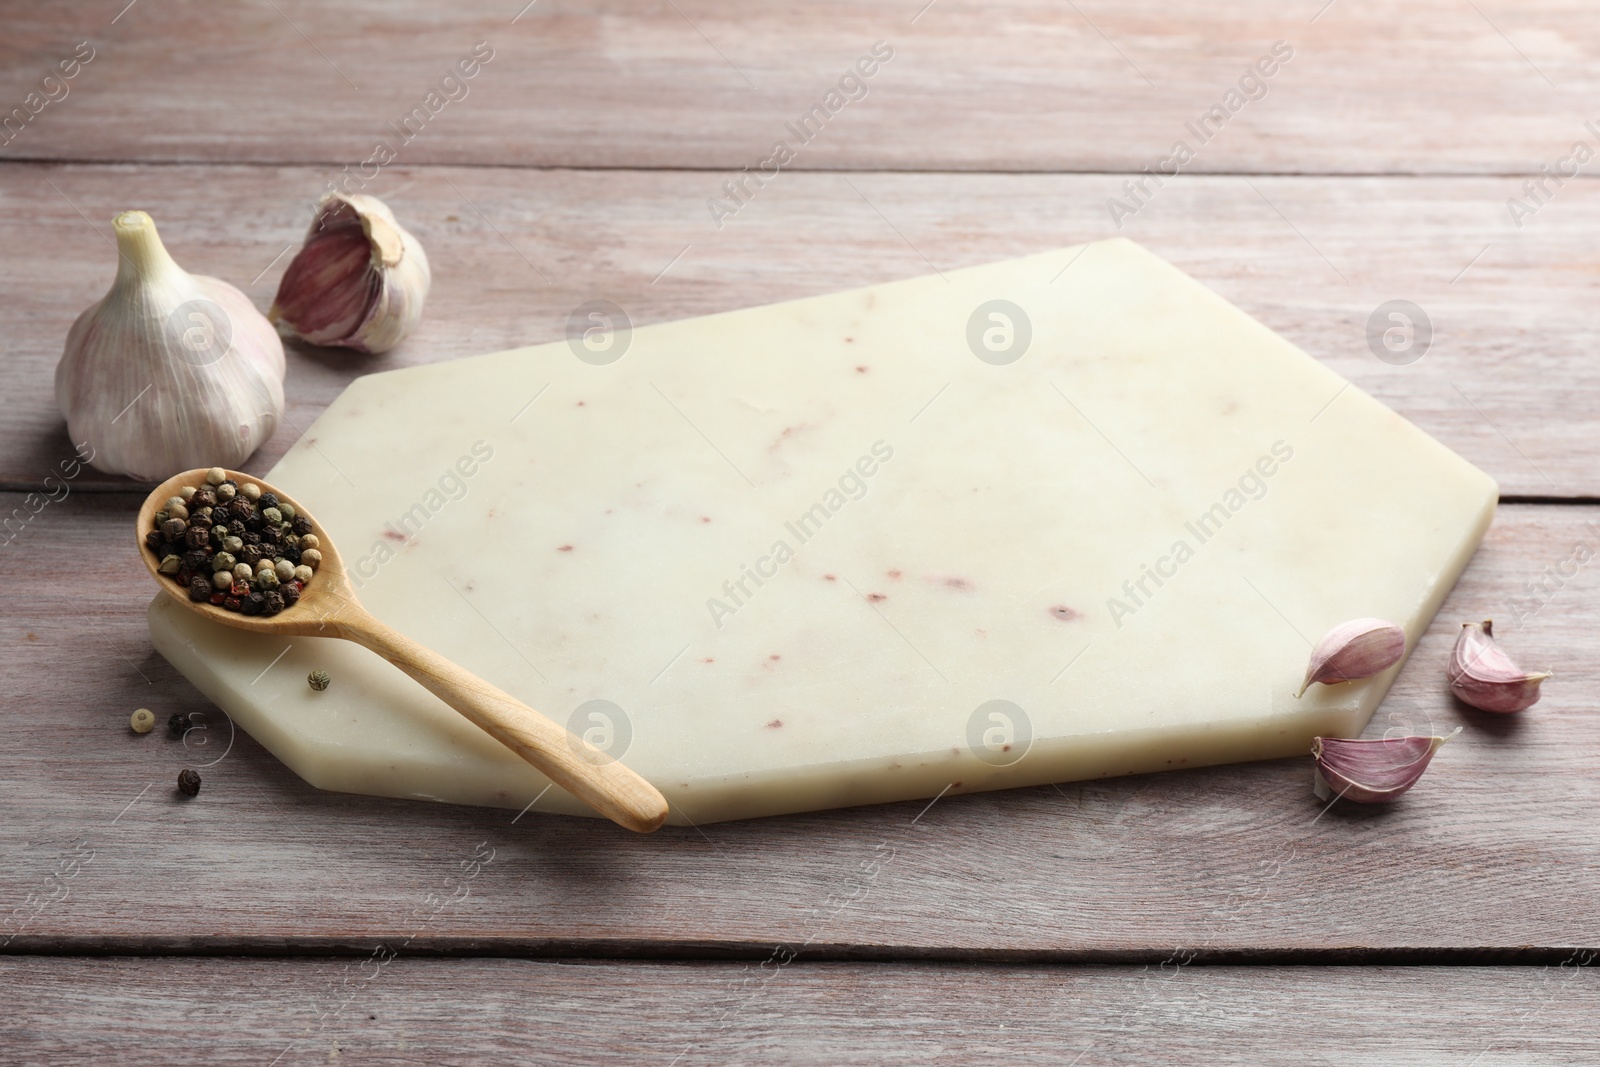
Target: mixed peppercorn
(235, 546)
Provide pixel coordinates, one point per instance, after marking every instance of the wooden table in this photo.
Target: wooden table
(1208, 916)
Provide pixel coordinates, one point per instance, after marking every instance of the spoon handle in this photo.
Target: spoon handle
(566, 759)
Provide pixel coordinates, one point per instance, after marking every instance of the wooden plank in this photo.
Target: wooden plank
(401, 1009)
(1495, 851)
(1509, 380)
(1430, 87)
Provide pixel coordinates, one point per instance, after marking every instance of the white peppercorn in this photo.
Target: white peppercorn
(216, 476)
(222, 580)
(285, 570)
(186, 492)
(309, 541)
(143, 720)
(242, 572)
(250, 491)
(302, 574)
(311, 558)
(226, 492)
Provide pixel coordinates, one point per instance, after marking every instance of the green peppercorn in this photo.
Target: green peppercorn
(272, 515)
(143, 720)
(318, 680)
(267, 580)
(287, 510)
(170, 564)
(232, 544)
(189, 782)
(224, 561)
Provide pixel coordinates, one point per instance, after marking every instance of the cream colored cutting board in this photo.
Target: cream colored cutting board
(1057, 518)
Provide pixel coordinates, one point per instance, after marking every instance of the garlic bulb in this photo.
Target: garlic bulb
(170, 370)
(358, 282)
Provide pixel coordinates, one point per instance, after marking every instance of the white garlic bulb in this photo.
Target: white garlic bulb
(359, 281)
(170, 370)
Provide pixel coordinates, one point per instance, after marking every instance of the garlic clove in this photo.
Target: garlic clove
(359, 281)
(1481, 674)
(169, 370)
(1359, 648)
(1371, 771)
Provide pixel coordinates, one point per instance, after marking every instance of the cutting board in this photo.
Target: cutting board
(1057, 518)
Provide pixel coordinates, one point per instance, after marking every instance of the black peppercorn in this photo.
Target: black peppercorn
(292, 554)
(241, 508)
(173, 529)
(236, 528)
(153, 540)
(270, 550)
(268, 500)
(178, 725)
(290, 593)
(232, 603)
(272, 603)
(199, 589)
(251, 538)
(253, 604)
(197, 518)
(195, 536)
(195, 559)
(221, 514)
(204, 497)
(189, 782)
(301, 525)
(250, 554)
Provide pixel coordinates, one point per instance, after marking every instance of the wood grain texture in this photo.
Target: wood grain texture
(1433, 86)
(1495, 851)
(1509, 381)
(379, 1009)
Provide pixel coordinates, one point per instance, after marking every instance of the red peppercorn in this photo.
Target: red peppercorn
(217, 597)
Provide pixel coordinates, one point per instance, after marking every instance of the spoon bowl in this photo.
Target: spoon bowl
(328, 607)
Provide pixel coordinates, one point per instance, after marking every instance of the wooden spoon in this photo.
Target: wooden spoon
(328, 608)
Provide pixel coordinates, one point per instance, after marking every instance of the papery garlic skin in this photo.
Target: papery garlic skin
(1371, 771)
(170, 370)
(1359, 648)
(1481, 674)
(359, 281)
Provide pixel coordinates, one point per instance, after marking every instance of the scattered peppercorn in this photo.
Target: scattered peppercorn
(318, 680)
(178, 725)
(189, 782)
(143, 720)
